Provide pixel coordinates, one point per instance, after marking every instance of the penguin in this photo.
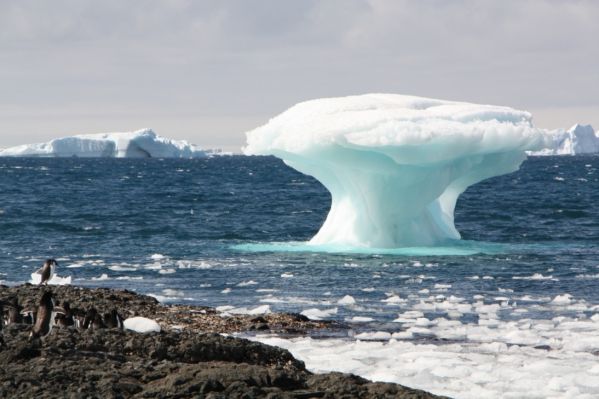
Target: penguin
(28, 316)
(64, 316)
(90, 316)
(97, 323)
(14, 311)
(45, 316)
(47, 271)
(113, 320)
(78, 317)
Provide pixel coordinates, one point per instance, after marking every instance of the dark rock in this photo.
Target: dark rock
(110, 363)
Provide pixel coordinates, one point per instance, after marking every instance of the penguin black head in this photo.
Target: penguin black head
(51, 262)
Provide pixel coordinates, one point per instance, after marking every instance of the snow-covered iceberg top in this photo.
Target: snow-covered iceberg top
(395, 165)
(579, 139)
(139, 144)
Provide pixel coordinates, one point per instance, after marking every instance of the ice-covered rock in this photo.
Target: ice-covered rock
(579, 139)
(139, 144)
(141, 325)
(395, 165)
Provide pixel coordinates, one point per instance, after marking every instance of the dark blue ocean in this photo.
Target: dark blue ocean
(191, 231)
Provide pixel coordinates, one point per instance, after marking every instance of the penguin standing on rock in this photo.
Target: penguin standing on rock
(64, 316)
(14, 311)
(113, 320)
(45, 313)
(47, 271)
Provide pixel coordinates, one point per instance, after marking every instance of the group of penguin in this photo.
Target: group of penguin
(49, 313)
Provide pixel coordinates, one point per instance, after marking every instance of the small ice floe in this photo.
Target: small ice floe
(185, 264)
(368, 289)
(141, 325)
(374, 336)
(318, 314)
(119, 268)
(394, 300)
(347, 300)
(247, 283)
(565, 299)
(535, 276)
(167, 271)
(287, 275)
(173, 293)
(558, 178)
(360, 319)
(36, 278)
(157, 257)
(259, 310)
(226, 291)
(102, 277)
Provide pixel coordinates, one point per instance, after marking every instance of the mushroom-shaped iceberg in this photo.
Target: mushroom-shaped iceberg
(394, 164)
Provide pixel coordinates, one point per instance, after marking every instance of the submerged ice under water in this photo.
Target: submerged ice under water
(513, 308)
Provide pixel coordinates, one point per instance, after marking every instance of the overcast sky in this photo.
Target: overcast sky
(207, 71)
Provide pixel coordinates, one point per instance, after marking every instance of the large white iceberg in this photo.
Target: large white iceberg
(139, 144)
(395, 165)
(579, 139)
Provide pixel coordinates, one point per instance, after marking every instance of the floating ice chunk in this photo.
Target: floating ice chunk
(141, 325)
(102, 277)
(579, 139)
(247, 283)
(226, 291)
(172, 292)
(262, 309)
(394, 300)
(139, 144)
(36, 278)
(374, 336)
(167, 271)
(535, 276)
(347, 300)
(157, 257)
(360, 319)
(318, 314)
(395, 165)
(119, 268)
(287, 275)
(565, 299)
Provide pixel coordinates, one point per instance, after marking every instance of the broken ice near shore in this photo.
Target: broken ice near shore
(395, 165)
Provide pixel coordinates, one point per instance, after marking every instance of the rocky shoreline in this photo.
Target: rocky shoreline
(189, 358)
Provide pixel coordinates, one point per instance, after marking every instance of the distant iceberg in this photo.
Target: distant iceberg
(395, 165)
(579, 139)
(139, 144)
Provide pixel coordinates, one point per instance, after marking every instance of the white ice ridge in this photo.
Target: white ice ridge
(579, 139)
(394, 164)
(139, 144)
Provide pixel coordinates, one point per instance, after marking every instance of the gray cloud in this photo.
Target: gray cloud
(209, 70)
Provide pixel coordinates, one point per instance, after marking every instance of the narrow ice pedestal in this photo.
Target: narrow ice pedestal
(395, 165)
